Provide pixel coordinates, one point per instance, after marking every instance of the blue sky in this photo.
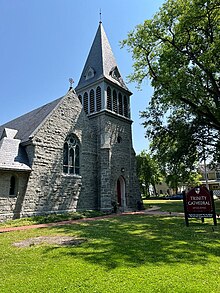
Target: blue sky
(45, 42)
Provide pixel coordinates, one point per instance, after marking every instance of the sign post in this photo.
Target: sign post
(199, 203)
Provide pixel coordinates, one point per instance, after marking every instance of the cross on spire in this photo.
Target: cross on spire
(100, 16)
(71, 81)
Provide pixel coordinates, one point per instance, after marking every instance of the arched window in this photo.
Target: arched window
(85, 102)
(77, 160)
(115, 102)
(65, 157)
(120, 104)
(71, 155)
(109, 98)
(92, 101)
(12, 190)
(98, 99)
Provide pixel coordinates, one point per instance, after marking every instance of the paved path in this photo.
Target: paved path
(151, 211)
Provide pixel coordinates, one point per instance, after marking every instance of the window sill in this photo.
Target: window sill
(72, 176)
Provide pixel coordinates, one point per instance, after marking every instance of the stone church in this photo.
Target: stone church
(76, 152)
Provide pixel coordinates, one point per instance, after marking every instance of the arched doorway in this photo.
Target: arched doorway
(121, 192)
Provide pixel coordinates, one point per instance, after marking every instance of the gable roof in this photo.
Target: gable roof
(102, 61)
(28, 123)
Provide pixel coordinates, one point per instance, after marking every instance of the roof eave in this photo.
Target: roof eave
(101, 79)
(17, 169)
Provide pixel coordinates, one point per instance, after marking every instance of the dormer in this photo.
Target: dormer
(114, 73)
(90, 73)
(9, 133)
(12, 155)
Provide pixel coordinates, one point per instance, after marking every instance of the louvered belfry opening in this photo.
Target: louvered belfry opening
(92, 101)
(109, 98)
(86, 102)
(98, 99)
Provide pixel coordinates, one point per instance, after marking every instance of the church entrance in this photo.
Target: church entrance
(121, 192)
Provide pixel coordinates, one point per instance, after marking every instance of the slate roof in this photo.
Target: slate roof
(28, 123)
(102, 60)
(12, 154)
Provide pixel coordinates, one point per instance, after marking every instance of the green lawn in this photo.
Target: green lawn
(52, 218)
(172, 205)
(135, 253)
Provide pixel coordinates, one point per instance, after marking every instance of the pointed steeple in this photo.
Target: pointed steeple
(100, 63)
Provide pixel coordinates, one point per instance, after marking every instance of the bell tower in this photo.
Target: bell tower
(106, 101)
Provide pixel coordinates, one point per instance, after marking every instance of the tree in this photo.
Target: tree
(173, 148)
(148, 172)
(178, 49)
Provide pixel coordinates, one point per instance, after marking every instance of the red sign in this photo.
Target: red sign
(199, 203)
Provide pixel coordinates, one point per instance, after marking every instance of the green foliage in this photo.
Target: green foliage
(122, 254)
(178, 49)
(148, 172)
(177, 155)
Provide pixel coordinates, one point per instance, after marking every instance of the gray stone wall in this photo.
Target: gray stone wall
(49, 190)
(106, 153)
(10, 205)
(116, 158)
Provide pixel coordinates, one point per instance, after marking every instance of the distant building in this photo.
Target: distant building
(163, 189)
(76, 152)
(210, 176)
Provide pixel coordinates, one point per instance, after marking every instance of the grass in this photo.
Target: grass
(52, 218)
(133, 253)
(172, 205)
(164, 205)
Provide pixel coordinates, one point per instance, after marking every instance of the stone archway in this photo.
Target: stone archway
(121, 200)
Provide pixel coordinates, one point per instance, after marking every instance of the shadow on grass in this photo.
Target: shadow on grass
(136, 240)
